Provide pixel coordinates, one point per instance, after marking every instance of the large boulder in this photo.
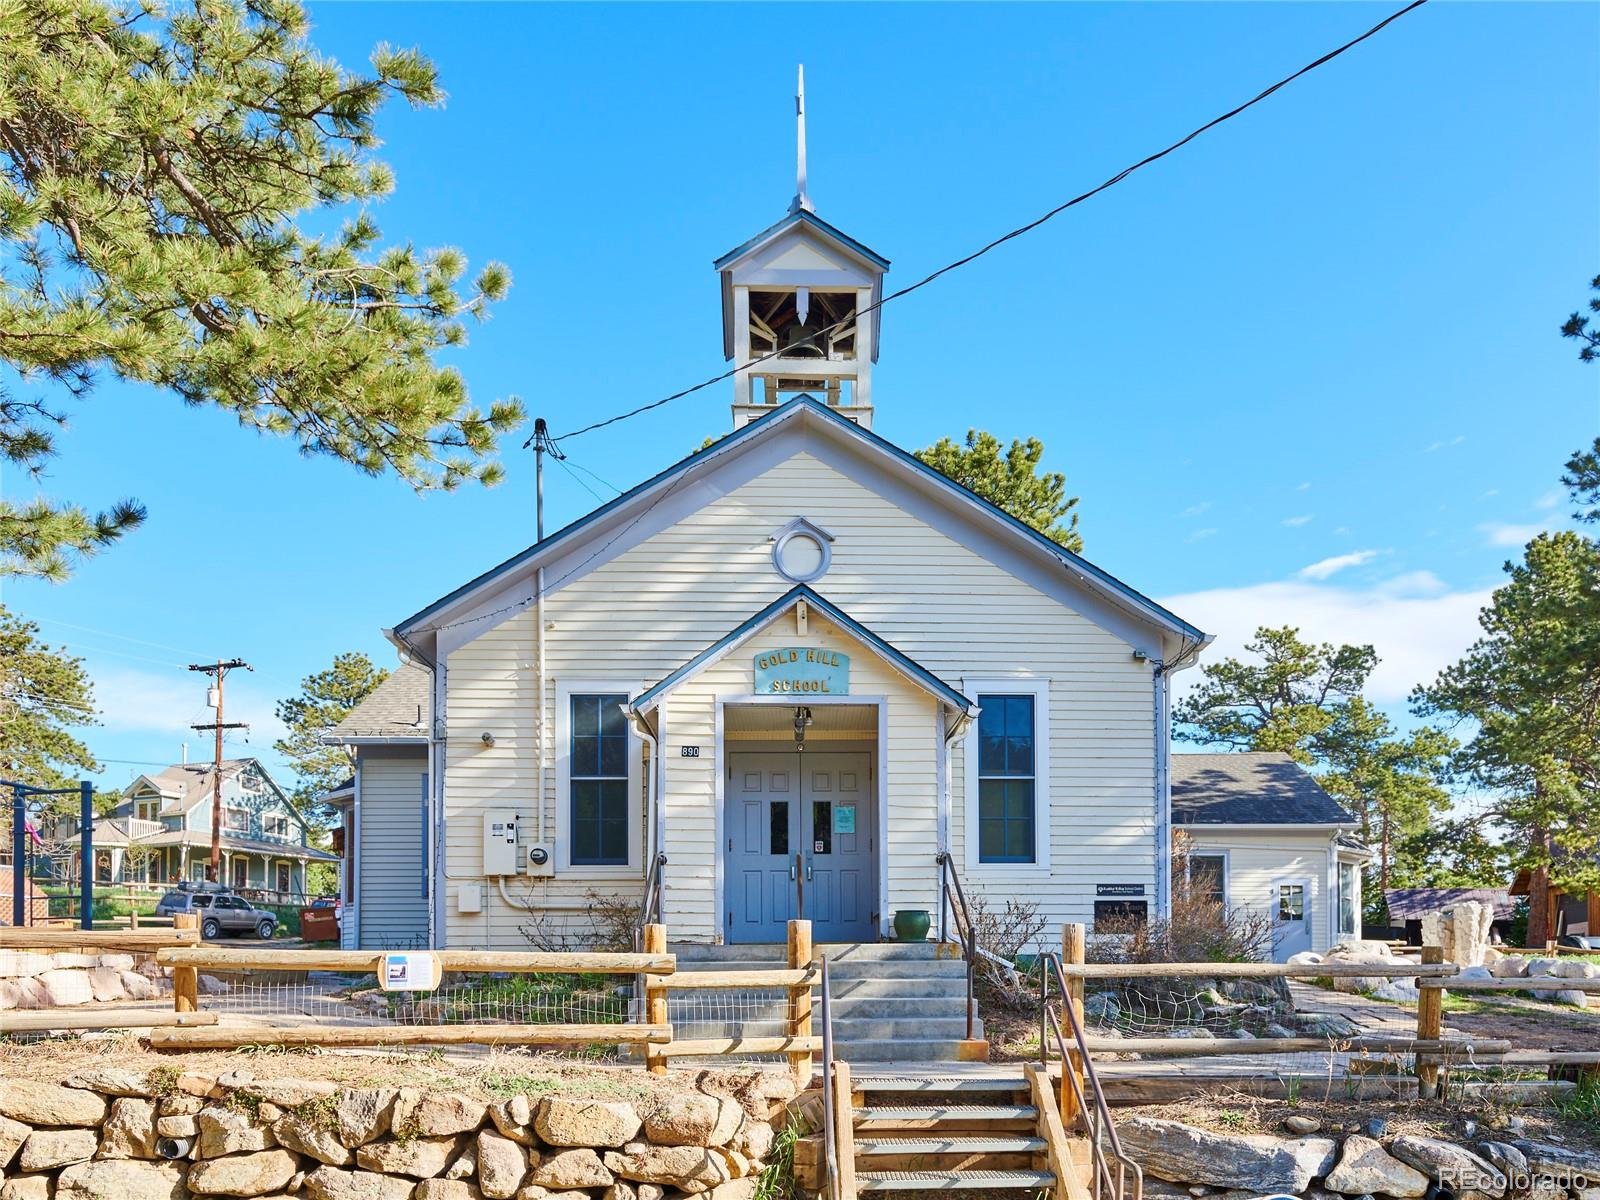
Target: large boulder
(682, 1119)
(48, 1149)
(122, 1179)
(1366, 1168)
(446, 1189)
(435, 1114)
(230, 1131)
(64, 988)
(675, 1166)
(26, 1187)
(331, 1183)
(1510, 966)
(593, 1123)
(290, 1093)
(420, 1158)
(243, 1174)
(514, 1119)
(130, 1129)
(312, 1138)
(502, 1165)
(1575, 968)
(105, 984)
(36, 1103)
(1463, 1172)
(1545, 1159)
(580, 1168)
(363, 1114)
(112, 1081)
(1256, 1162)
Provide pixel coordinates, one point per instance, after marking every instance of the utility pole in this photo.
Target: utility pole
(218, 670)
(542, 444)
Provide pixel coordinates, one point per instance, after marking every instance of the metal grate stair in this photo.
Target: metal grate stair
(952, 1181)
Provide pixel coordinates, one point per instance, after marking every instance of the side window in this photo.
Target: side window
(1208, 878)
(598, 779)
(1006, 779)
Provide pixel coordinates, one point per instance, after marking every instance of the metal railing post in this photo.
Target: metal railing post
(86, 853)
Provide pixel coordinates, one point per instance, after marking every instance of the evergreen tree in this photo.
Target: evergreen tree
(1011, 481)
(45, 694)
(157, 167)
(1529, 685)
(1583, 468)
(326, 698)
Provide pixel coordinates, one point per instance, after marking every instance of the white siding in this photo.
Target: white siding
(1258, 861)
(652, 607)
(392, 905)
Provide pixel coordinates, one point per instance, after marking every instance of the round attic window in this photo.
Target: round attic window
(800, 556)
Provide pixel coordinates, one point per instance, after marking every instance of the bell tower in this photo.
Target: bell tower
(791, 296)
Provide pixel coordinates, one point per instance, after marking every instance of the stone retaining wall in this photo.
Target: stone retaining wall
(60, 979)
(122, 1135)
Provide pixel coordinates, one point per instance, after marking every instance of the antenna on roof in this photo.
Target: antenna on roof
(801, 201)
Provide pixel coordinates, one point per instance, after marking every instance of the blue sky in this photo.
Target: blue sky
(1306, 370)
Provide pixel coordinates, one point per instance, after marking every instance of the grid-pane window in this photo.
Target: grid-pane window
(1349, 902)
(599, 780)
(1006, 779)
(1208, 878)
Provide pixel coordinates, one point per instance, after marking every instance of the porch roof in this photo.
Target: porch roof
(747, 629)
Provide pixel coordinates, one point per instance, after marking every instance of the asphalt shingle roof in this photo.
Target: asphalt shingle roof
(1253, 788)
(1412, 903)
(400, 706)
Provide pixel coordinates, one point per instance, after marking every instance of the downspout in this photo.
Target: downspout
(544, 712)
(355, 905)
(654, 834)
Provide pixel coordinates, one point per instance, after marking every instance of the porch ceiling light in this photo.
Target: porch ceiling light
(802, 718)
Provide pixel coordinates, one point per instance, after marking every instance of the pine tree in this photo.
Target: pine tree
(157, 167)
(44, 695)
(326, 698)
(1011, 481)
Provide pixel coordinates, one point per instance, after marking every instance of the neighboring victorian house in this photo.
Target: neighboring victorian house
(161, 832)
(1260, 833)
(787, 673)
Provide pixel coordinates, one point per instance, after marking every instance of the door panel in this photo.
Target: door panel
(841, 820)
(763, 820)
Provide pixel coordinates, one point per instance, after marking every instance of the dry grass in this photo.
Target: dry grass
(489, 1074)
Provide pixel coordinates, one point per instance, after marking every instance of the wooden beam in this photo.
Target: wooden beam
(1531, 983)
(1057, 1147)
(655, 996)
(799, 1028)
(127, 941)
(1123, 1091)
(231, 1037)
(140, 1018)
(844, 1131)
(1253, 970)
(1211, 1047)
(185, 980)
(775, 978)
(221, 959)
(1074, 948)
(712, 1047)
(1430, 1016)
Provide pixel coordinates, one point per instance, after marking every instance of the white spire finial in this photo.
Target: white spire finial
(801, 201)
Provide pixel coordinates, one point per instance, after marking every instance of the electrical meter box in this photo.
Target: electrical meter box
(541, 859)
(500, 842)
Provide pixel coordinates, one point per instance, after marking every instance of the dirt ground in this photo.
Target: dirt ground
(1527, 1024)
(490, 1075)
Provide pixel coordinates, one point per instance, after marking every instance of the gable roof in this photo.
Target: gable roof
(747, 629)
(398, 709)
(182, 786)
(815, 223)
(1254, 788)
(631, 505)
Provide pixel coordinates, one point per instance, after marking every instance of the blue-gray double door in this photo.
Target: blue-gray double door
(800, 830)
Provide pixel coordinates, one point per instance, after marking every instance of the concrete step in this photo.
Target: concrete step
(952, 1181)
(951, 1143)
(865, 1029)
(877, 1050)
(846, 1008)
(917, 988)
(897, 968)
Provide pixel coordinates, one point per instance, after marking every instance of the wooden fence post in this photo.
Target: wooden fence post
(1430, 1019)
(185, 980)
(844, 1131)
(800, 1061)
(655, 999)
(1074, 944)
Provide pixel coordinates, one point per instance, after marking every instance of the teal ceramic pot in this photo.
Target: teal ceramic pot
(912, 924)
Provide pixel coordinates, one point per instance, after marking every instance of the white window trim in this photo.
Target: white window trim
(1013, 685)
(560, 834)
(1339, 865)
(235, 808)
(1307, 907)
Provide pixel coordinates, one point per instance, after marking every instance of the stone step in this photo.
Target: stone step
(887, 1118)
(921, 988)
(942, 1144)
(895, 968)
(851, 1007)
(863, 1029)
(952, 1181)
(877, 1050)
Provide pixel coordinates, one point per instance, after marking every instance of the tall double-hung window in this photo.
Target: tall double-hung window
(598, 779)
(1007, 779)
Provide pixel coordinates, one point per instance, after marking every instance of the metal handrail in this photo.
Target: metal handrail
(830, 1174)
(950, 892)
(650, 903)
(1096, 1116)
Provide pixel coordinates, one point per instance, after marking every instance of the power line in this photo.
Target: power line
(119, 636)
(579, 481)
(813, 339)
(569, 462)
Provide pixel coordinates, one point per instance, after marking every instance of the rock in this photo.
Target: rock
(1512, 966)
(291, 1093)
(620, 1190)
(465, 1165)
(36, 1103)
(436, 1114)
(65, 988)
(363, 1114)
(1275, 1030)
(514, 1119)
(312, 1138)
(1463, 1172)
(446, 1189)
(570, 1169)
(210, 985)
(1573, 997)
(1102, 1008)
(1397, 991)
(47, 1149)
(26, 1187)
(735, 1189)
(676, 1166)
(111, 1081)
(178, 1127)
(1301, 1125)
(754, 1139)
(122, 1179)
(1242, 1035)
(681, 1119)
(1260, 1163)
(502, 1165)
(237, 1078)
(594, 1123)
(1374, 1127)
(1545, 1159)
(1365, 1166)
(105, 983)
(12, 1135)
(330, 1183)
(1516, 1126)
(534, 1192)
(1541, 966)
(180, 1106)
(1306, 958)
(243, 1174)
(421, 1158)
(230, 1131)
(1508, 1160)
(1575, 968)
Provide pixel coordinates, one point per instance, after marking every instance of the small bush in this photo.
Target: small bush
(1200, 929)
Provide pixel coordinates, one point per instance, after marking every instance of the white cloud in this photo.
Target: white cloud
(1417, 626)
(1551, 499)
(1200, 534)
(1326, 567)
(1194, 510)
(1296, 522)
(133, 701)
(1442, 445)
(1304, 487)
(1502, 533)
